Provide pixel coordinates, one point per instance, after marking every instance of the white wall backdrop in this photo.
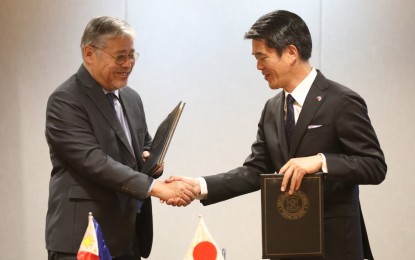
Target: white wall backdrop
(193, 50)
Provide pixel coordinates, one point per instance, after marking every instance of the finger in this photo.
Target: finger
(183, 203)
(173, 202)
(285, 167)
(294, 178)
(172, 179)
(186, 198)
(286, 179)
(178, 202)
(190, 191)
(299, 181)
(178, 178)
(145, 155)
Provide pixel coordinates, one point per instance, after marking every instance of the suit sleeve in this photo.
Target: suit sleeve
(361, 159)
(243, 179)
(73, 145)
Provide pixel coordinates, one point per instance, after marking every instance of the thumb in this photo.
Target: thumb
(172, 179)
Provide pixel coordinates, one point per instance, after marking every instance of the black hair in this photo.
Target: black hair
(280, 29)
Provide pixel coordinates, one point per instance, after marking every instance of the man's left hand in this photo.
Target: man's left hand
(145, 156)
(296, 168)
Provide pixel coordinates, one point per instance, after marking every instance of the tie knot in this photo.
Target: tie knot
(290, 99)
(111, 95)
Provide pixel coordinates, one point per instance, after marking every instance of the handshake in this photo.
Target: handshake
(177, 190)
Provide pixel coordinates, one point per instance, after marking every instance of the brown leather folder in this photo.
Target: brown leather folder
(161, 140)
(292, 225)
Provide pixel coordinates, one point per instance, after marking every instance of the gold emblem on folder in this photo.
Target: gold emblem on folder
(294, 206)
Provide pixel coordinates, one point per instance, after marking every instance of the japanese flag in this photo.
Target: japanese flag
(203, 247)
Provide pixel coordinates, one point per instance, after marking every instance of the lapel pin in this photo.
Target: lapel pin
(319, 98)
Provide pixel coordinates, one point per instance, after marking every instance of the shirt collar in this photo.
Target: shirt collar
(116, 92)
(301, 91)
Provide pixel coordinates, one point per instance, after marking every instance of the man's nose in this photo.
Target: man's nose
(259, 65)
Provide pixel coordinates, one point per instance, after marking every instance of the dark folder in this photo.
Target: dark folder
(292, 225)
(162, 140)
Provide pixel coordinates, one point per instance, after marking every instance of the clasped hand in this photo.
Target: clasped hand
(178, 193)
(192, 182)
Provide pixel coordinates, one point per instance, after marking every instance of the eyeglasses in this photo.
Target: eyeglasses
(121, 59)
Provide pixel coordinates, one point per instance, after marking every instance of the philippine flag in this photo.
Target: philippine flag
(203, 247)
(93, 246)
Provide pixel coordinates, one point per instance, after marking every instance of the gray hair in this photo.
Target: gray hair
(100, 29)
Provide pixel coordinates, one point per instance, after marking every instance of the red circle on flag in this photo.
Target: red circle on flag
(204, 251)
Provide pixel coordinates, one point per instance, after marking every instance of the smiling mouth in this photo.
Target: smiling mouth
(266, 76)
(124, 74)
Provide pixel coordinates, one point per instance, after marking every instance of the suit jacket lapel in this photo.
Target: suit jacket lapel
(275, 128)
(128, 105)
(314, 99)
(97, 96)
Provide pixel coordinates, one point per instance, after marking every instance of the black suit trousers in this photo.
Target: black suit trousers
(65, 256)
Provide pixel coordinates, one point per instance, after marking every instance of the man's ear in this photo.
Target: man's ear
(293, 54)
(88, 53)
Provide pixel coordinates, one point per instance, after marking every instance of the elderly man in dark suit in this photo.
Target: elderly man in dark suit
(98, 138)
(313, 125)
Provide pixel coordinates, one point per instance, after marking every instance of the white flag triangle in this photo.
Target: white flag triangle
(203, 247)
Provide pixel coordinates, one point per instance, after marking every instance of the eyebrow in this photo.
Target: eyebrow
(258, 53)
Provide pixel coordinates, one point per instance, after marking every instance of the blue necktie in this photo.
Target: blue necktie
(112, 98)
(290, 120)
(116, 105)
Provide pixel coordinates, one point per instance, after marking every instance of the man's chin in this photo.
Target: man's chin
(119, 85)
(272, 86)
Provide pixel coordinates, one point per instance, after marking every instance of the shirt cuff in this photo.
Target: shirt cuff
(150, 189)
(324, 164)
(203, 189)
